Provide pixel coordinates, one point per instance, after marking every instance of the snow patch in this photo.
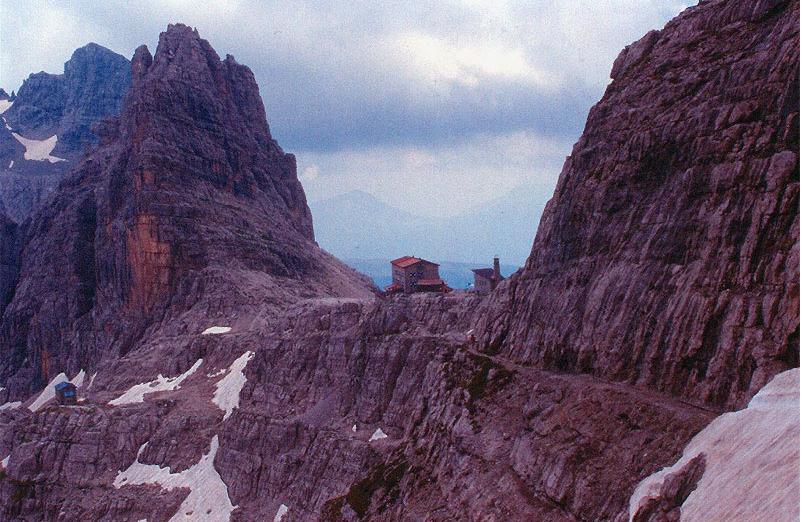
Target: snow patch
(39, 150)
(11, 164)
(378, 435)
(5, 105)
(752, 460)
(218, 373)
(282, 510)
(208, 494)
(353, 428)
(91, 380)
(49, 393)
(229, 387)
(10, 405)
(4, 462)
(216, 330)
(137, 392)
(78, 380)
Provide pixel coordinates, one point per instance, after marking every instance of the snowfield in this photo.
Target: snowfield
(208, 495)
(5, 105)
(39, 150)
(226, 397)
(282, 510)
(49, 393)
(137, 392)
(215, 330)
(752, 461)
(378, 435)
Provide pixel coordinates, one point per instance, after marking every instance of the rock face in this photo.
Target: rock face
(66, 105)
(189, 203)
(669, 254)
(9, 258)
(176, 270)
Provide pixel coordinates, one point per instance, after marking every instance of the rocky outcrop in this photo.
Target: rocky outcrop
(9, 259)
(189, 204)
(220, 352)
(66, 106)
(669, 254)
(467, 436)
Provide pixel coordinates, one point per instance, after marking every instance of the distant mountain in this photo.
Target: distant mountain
(356, 225)
(457, 275)
(47, 125)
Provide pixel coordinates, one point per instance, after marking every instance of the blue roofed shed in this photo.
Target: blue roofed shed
(66, 393)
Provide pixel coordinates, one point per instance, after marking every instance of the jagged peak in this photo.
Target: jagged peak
(220, 88)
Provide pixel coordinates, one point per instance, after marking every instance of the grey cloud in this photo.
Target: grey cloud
(328, 83)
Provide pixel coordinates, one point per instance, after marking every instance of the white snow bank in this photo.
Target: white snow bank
(4, 462)
(208, 495)
(49, 393)
(10, 405)
(39, 150)
(378, 435)
(217, 373)
(137, 392)
(5, 105)
(216, 330)
(752, 461)
(282, 510)
(229, 387)
(78, 380)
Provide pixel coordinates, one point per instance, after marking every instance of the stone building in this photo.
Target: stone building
(412, 274)
(66, 393)
(486, 279)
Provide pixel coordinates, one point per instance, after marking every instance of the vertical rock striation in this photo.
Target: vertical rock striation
(188, 197)
(667, 261)
(669, 254)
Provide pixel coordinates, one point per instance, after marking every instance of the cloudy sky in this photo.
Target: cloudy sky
(432, 107)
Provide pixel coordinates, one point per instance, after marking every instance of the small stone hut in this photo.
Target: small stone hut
(485, 280)
(66, 393)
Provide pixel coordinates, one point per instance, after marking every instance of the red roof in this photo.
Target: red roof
(403, 262)
(430, 282)
(393, 288)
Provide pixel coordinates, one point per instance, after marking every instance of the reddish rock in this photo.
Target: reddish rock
(189, 204)
(669, 254)
(660, 289)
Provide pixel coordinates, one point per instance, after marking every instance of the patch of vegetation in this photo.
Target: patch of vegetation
(22, 489)
(479, 384)
(381, 486)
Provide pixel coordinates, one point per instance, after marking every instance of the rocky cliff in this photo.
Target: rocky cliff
(187, 205)
(230, 370)
(669, 254)
(48, 124)
(9, 258)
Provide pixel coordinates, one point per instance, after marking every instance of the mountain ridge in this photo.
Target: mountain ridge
(226, 367)
(501, 227)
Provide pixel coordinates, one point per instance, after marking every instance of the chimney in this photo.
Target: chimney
(496, 272)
